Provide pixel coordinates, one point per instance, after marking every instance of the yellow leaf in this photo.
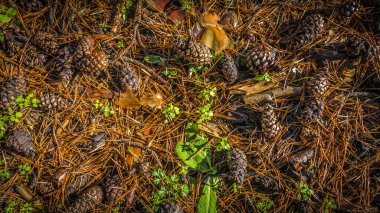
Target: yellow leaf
(209, 20)
(133, 156)
(214, 37)
(152, 101)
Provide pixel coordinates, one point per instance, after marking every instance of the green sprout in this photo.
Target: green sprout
(222, 144)
(187, 5)
(14, 116)
(170, 72)
(105, 108)
(170, 112)
(205, 113)
(6, 14)
(169, 187)
(4, 173)
(263, 77)
(208, 93)
(24, 168)
(264, 205)
(304, 193)
(28, 101)
(198, 69)
(3, 125)
(328, 203)
(120, 44)
(10, 208)
(26, 208)
(128, 4)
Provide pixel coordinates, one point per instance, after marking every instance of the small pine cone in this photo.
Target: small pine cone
(269, 123)
(64, 65)
(113, 188)
(50, 100)
(237, 164)
(31, 5)
(264, 183)
(88, 201)
(97, 61)
(229, 69)
(170, 207)
(259, 59)
(312, 111)
(301, 157)
(194, 52)
(309, 29)
(46, 42)
(11, 89)
(346, 11)
(355, 47)
(35, 59)
(21, 142)
(318, 85)
(85, 47)
(78, 182)
(128, 78)
(12, 45)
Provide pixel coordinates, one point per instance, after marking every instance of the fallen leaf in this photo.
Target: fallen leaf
(214, 36)
(252, 89)
(210, 20)
(133, 156)
(152, 101)
(170, 7)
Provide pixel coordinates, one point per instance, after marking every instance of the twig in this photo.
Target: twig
(150, 70)
(21, 189)
(268, 95)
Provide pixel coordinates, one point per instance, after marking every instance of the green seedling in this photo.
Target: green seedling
(304, 192)
(26, 208)
(124, 10)
(6, 14)
(170, 112)
(154, 59)
(28, 101)
(11, 207)
(197, 70)
(205, 113)
(169, 72)
(105, 108)
(120, 44)
(207, 93)
(116, 209)
(169, 187)
(14, 116)
(187, 5)
(4, 174)
(3, 125)
(264, 205)
(328, 204)
(24, 168)
(263, 77)
(222, 144)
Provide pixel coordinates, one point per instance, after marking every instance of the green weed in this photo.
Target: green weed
(304, 193)
(170, 112)
(222, 144)
(328, 204)
(264, 205)
(263, 77)
(24, 168)
(205, 113)
(208, 93)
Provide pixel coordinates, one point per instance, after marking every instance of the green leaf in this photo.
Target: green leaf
(19, 114)
(153, 59)
(1, 37)
(11, 12)
(200, 162)
(5, 18)
(207, 202)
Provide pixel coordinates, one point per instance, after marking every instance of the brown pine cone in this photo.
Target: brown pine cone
(85, 47)
(12, 44)
(11, 89)
(76, 184)
(194, 52)
(319, 84)
(269, 122)
(88, 201)
(347, 10)
(355, 47)
(21, 142)
(259, 59)
(229, 69)
(170, 207)
(128, 78)
(309, 29)
(114, 188)
(64, 64)
(95, 62)
(312, 110)
(237, 164)
(46, 42)
(264, 183)
(50, 100)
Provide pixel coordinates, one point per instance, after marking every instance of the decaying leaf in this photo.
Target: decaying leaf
(152, 100)
(214, 36)
(169, 7)
(133, 156)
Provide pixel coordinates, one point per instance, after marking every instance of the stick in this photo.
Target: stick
(150, 70)
(268, 95)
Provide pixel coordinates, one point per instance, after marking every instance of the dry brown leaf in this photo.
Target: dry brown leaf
(252, 89)
(134, 155)
(214, 37)
(152, 101)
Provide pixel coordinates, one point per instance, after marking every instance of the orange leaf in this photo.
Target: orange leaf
(152, 101)
(209, 20)
(134, 155)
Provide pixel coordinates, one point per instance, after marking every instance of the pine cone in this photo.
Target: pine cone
(319, 84)
(114, 189)
(88, 201)
(85, 47)
(50, 100)
(11, 89)
(34, 58)
(78, 182)
(31, 5)
(12, 45)
(237, 164)
(301, 157)
(229, 69)
(46, 42)
(264, 183)
(346, 11)
(309, 29)
(95, 62)
(355, 47)
(259, 59)
(269, 123)
(170, 207)
(21, 142)
(128, 78)
(312, 110)
(64, 65)
(194, 52)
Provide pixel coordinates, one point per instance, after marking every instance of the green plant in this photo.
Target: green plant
(328, 203)
(124, 9)
(208, 199)
(222, 144)
(26, 208)
(6, 14)
(103, 26)
(169, 72)
(105, 108)
(3, 125)
(205, 113)
(24, 168)
(14, 116)
(304, 193)
(169, 187)
(196, 69)
(263, 77)
(116, 209)
(4, 173)
(154, 59)
(187, 5)
(264, 205)
(28, 101)
(207, 93)
(10, 208)
(120, 44)
(170, 112)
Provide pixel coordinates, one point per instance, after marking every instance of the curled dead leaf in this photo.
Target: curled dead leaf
(214, 37)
